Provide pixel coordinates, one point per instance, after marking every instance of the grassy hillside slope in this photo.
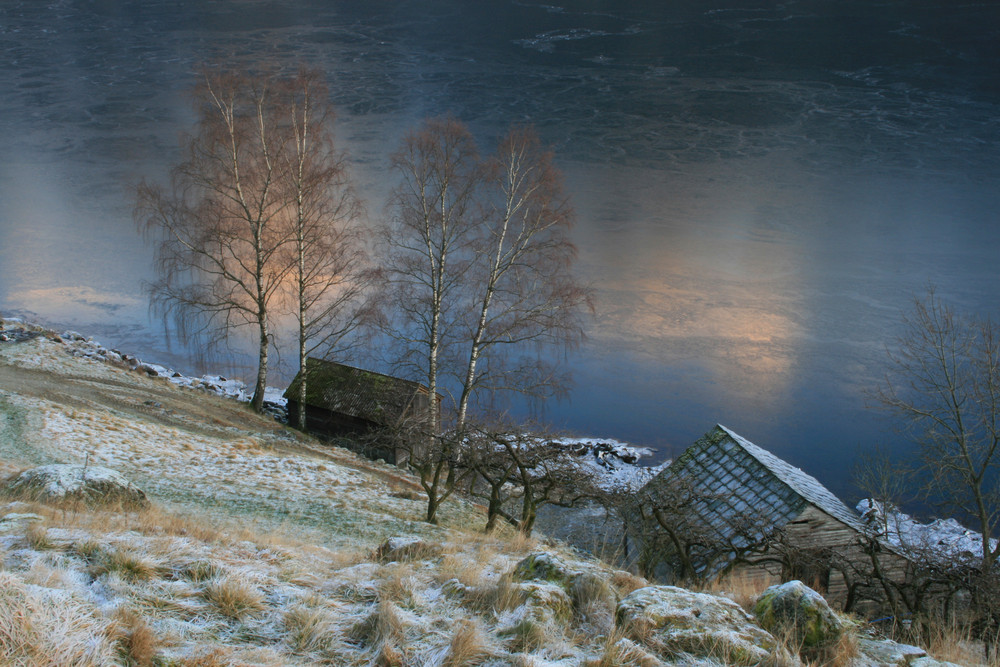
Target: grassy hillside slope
(259, 548)
(265, 547)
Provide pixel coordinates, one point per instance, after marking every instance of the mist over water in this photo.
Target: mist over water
(761, 191)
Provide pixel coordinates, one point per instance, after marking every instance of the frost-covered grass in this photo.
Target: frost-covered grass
(105, 585)
(260, 546)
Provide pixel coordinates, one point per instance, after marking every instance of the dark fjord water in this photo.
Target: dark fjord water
(761, 188)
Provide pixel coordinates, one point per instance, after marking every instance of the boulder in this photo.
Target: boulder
(546, 603)
(402, 549)
(887, 653)
(542, 566)
(794, 610)
(927, 661)
(93, 486)
(593, 598)
(673, 621)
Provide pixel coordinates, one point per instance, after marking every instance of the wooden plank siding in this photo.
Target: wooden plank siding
(812, 533)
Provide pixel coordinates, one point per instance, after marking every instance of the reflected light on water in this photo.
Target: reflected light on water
(72, 303)
(699, 275)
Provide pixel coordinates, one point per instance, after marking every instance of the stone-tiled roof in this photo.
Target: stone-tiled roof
(374, 397)
(807, 486)
(734, 481)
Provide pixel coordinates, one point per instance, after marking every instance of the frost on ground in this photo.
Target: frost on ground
(261, 546)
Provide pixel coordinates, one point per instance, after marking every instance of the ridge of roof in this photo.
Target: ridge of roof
(330, 363)
(799, 481)
(357, 392)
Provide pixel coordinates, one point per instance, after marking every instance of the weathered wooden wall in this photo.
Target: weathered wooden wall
(833, 559)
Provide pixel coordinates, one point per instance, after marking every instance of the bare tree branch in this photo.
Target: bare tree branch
(219, 228)
(477, 266)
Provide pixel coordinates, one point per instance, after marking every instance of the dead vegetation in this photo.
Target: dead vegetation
(255, 554)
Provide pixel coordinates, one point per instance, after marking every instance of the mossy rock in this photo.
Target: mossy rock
(62, 485)
(674, 622)
(795, 610)
(543, 567)
(547, 602)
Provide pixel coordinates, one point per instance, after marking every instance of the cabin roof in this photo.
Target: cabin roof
(374, 397)
(735, 478)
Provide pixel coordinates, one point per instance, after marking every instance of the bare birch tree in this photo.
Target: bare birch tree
(261, 216)
(427, 259)
(219, 226)
(943, 382)
(523, 289)
(329, 266)
(478, 269)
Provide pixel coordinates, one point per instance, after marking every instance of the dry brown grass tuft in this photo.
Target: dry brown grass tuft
(44, 572)
(388, 655)
(619, 651)
(137, 640)
(588, 589)
(310, 629)
(217, 657)
(397, 584)
(844, 653)
(383, 626)
(741, 588)
(951, 643)
(37, 537)
(127, 564)
(527, 636)
(310, 566)
(594, 602)
(626, 582)
(523, 661)
(233, 597)
(469, 645)
(200, 571)
(468, 569)
(521, 544)
(494, 597)
(37, 629)
(88, 549)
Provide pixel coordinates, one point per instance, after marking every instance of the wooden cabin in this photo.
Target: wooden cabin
(349, 405)
(740, 496)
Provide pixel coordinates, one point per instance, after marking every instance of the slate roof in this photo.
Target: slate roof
(374, 397)
(735, 478)
(807, 486)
